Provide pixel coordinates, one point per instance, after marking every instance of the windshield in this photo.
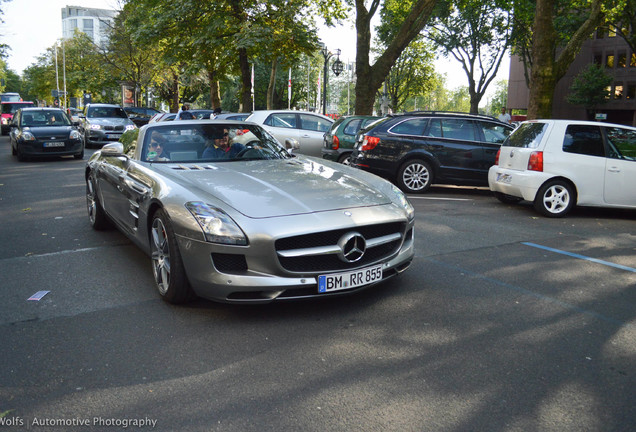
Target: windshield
(10, 97)
(206, 142)
(11, 108)
(528, 135)
(101, 112)
(44, 118)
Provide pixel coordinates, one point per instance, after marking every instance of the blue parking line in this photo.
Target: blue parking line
(594, 260)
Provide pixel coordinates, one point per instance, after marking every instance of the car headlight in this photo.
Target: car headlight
(27, 136)
(131, 127)
(217, 226)
(75, 135)
(95, 126)
(404, 202)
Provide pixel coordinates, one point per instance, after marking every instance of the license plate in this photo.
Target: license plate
(347, 280)
(504, 178)
(112, 136)
(53, 144)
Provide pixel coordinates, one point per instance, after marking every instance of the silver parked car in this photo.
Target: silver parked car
(225, 213)
(307, 128)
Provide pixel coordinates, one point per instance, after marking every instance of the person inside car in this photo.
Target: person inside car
(156, 148)
(221, 148)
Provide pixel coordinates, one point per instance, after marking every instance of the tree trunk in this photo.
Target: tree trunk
(215, 90)
(547, 67)
(369, 78)
(246, 78)
(271, 87)
(174, 93)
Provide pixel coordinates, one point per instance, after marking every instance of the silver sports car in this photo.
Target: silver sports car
(226, 213)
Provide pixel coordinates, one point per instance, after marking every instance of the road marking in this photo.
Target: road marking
(594, 260)
(439, 199)
(534, 294)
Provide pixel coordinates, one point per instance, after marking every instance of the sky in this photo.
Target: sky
(32, 26)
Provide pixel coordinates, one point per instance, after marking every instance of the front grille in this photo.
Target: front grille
(331, 261)
(114, 128)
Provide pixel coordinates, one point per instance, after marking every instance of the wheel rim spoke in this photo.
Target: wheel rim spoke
(160, 255)
(415, 176)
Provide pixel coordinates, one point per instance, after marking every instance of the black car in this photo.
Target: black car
(45, 132)
(140, 115)
(417, 149)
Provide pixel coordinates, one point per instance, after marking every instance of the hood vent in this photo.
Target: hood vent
(195, 167)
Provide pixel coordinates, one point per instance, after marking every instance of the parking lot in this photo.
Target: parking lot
(506, 321)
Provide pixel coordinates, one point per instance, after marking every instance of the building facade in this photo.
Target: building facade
(603, 48)
(95, 23)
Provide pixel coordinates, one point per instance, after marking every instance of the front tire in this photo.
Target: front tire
(96, 214)
(555, 199)
(167, 265)
(415, 176)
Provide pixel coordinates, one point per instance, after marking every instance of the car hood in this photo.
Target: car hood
(261, 189)
(50, 132)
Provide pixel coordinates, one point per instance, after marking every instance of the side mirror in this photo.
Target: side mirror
(291, 144)
(113, 149)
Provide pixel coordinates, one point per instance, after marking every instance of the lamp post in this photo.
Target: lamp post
(337, 68)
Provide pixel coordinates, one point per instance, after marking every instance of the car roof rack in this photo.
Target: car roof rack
(448, 113)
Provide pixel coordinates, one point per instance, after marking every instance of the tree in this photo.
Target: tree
(410, 17)
(499, 98)
(558, 28)
(590, 88)
(476, 34)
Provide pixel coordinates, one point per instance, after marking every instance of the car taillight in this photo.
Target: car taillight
(369, 143)
(335, 144)
(535, 163)
(497, 157)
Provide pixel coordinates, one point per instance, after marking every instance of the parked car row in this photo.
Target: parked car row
(555, 164)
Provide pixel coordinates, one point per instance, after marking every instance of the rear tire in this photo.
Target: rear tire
(415, 176)
(167, 265)
(555, 199)
(345, 159)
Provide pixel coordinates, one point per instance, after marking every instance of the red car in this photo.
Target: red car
(8, 110)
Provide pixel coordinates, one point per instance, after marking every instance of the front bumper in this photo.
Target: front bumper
(264, 280)
(37, 149)
(101, 137)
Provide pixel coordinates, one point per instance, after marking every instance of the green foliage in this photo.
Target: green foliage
(477, 35)
(590, 87)
(498, 100)
(129, 140)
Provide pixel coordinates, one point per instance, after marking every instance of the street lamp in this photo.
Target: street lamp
(337, 68)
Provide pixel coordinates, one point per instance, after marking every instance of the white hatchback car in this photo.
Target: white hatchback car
(557, 164)
(307, 128)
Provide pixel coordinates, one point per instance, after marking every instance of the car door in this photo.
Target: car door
(311, 134)
(123, 187)
(491, 135)
(455, 145)
(620, 169)
(283, 126)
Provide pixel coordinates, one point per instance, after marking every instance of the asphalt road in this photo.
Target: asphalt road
(506, 321)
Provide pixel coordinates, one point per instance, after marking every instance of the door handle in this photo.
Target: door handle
(614, 169)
